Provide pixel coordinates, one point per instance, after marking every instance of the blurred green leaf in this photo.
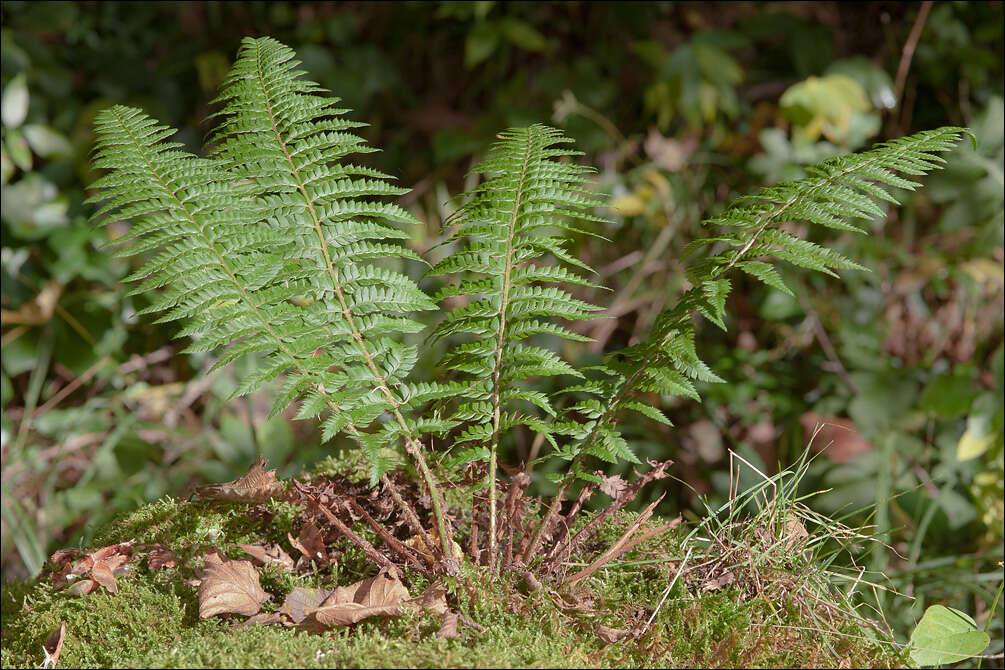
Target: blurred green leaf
(16, 146)
(948, 396)
(46, 142)
(480, 43)
(14, 105)
(523, 35)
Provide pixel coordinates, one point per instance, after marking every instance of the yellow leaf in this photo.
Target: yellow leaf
(629, 204)
(984, 270)
(976, 438)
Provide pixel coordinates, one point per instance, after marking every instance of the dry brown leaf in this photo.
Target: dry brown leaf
(114, 555)
(161, 557)
(417, 544)
(302, 599)
(53, 646)
(59, 579)
(613, 486)
(433, 600)
(230, 586)
(64, 557)
(838, 438)
(105, 553)
(725, 579)
(378, 596)
(448, 630)
(82, 587)
(611, 635)
(256, 486)
(269, 554)
(102, 574)
(795, 534)
(310, 543)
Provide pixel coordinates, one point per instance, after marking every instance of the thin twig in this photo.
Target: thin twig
(907, 53)
(618, 547)
(368, 549)
(395, 544)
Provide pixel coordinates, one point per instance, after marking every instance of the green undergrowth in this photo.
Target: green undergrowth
(153, 621)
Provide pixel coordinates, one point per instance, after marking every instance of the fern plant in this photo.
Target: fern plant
(275, 245)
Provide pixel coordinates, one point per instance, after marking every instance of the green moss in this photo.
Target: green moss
(153, 620)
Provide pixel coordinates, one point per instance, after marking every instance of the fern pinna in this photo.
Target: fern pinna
(504, 230)
(750, 233)
(266, 250)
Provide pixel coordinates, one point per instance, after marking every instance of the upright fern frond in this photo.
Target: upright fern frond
(280, 135)
(511, 295)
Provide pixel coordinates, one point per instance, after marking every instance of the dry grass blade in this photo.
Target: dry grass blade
(623, 544)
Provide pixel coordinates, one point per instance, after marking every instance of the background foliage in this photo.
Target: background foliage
(682, 106)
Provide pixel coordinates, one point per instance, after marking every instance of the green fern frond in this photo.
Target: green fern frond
(280, 135)
(837, 193)
(529, 189)
(264, 248)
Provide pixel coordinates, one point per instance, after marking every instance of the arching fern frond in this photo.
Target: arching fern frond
(752, 232)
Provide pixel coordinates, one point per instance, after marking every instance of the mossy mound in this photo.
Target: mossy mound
(153, 620)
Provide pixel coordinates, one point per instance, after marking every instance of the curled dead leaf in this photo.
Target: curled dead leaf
(230, 586)
(257, 486)
(300, 600)
(53, 646)
(161, 557)
(378, 596)
(725, 579)
(310, 543)
(611, 635)
(81, 588)
(613, 486)
(433, 600)
(64, 557)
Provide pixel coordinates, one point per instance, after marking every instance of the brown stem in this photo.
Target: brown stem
(368, 549)
(626, 496)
